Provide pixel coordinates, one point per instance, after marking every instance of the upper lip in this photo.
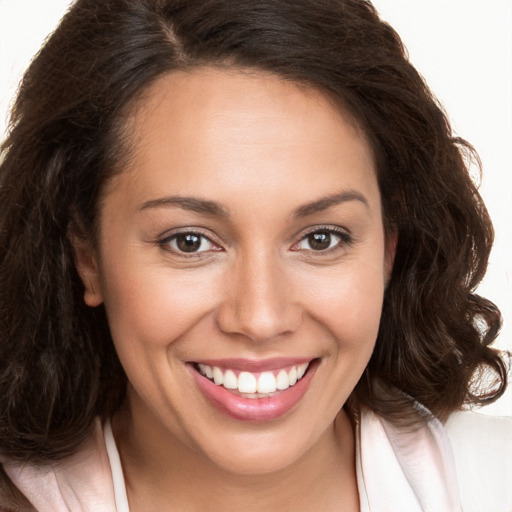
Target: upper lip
(255, 365)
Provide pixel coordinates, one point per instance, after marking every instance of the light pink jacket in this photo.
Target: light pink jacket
(464, 466)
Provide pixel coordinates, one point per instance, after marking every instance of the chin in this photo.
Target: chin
(260, 457)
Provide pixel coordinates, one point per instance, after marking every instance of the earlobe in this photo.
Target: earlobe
(92, 294)
(86, 263)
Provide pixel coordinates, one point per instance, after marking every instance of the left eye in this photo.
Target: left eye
(190, 243)
(321, 240)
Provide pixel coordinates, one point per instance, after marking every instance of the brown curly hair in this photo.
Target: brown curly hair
(58, 367)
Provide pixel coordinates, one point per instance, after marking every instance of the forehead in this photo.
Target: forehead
(217, 132)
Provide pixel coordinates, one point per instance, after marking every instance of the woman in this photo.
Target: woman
(239, 249)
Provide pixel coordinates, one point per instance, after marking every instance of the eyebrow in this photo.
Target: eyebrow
(327, 202)
(205, 206)
(194, 204)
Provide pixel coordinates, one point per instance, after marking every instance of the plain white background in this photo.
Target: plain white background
(463, 48)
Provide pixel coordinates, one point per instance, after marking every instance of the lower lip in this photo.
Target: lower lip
(254, 409)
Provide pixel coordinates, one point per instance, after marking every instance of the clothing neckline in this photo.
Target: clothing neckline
(120, 493)
(420, 463)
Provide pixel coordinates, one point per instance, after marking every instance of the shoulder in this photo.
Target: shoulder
(482, 449)
(465, 464)
(82, 481)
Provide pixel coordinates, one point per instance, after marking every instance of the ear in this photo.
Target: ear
(390, 251)
(86, 262)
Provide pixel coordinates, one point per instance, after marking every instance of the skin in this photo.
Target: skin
(261, 149)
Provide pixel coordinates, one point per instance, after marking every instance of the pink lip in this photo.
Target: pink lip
(253, 409)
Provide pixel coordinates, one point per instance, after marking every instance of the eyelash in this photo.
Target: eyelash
(345, 239)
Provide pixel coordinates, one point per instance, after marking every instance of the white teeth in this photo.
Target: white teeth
(282, 381)
(266, 383)
(218, 376)
(206, 370)
(230, 380)
(246, 383)
(293, 376)
(251, 385)
(301, 370)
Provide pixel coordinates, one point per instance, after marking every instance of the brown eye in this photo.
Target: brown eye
(189, 243)
(320, 240)
(323, 240)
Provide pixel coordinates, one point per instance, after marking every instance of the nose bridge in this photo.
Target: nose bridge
(259, 301)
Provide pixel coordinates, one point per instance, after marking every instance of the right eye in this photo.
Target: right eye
(189, 242)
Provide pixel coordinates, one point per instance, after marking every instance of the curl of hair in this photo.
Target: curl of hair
(58, 367)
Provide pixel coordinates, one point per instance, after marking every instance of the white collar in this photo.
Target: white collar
(404, 470)
(120, 494)
(397, 470)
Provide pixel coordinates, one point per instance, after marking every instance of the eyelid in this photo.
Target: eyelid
(325, 227)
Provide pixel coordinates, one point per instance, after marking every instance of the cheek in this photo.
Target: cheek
(349, 304)
(151, 306)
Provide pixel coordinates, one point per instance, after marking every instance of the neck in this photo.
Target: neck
(162, 473)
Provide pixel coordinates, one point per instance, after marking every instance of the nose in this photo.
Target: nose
(259, 302)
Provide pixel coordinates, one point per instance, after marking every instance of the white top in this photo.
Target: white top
(419, 471)
(117, 471)
(464, 466)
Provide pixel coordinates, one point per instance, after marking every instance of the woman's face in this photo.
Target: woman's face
(244, 243)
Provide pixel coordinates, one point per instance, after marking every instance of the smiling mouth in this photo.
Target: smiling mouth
(254, 384)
